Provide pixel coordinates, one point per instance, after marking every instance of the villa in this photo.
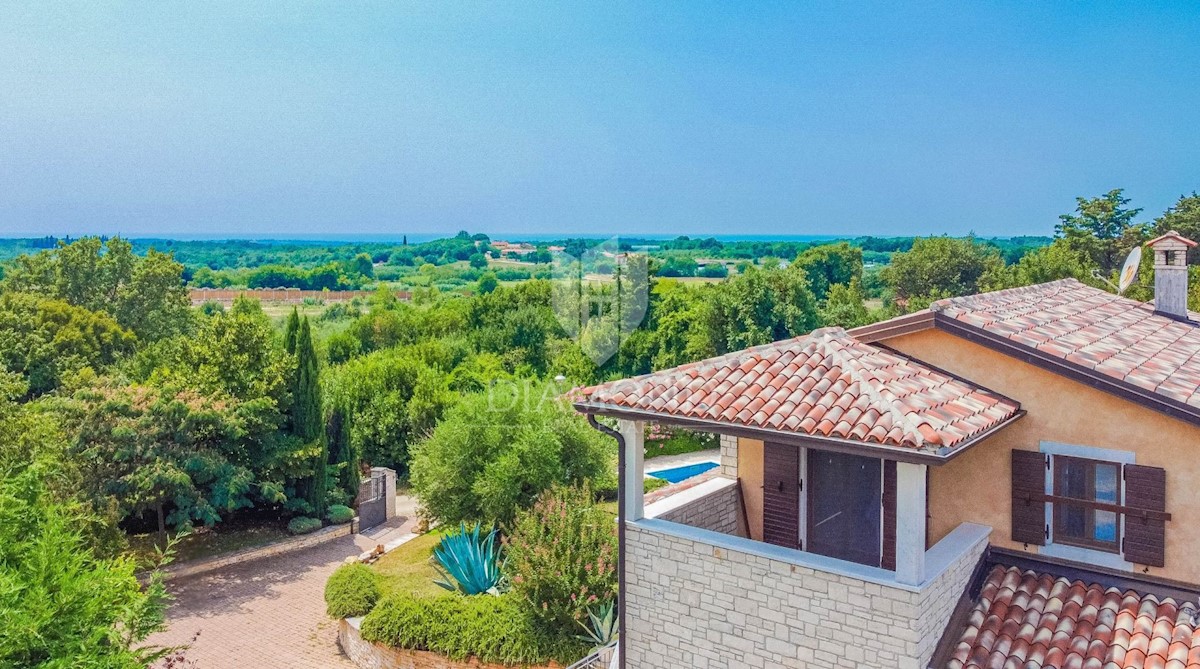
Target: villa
(1001, 480)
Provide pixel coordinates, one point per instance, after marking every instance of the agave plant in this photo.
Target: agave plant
(469, 563)
(602, 626)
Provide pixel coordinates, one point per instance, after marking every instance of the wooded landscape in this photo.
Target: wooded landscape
(126, 411)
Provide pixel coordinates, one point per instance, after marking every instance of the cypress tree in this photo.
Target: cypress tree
(291, 331)
(306, 413)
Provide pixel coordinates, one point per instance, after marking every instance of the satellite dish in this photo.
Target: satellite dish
(1129, 270)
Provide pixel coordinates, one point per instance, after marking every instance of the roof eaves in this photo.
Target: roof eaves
(898, 453)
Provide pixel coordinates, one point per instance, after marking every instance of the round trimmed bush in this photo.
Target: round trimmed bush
(351, 591)
(339, 514)
(303, 525)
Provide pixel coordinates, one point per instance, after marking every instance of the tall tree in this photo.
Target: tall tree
(1183, 217)
(291, 331)
(939, 267)
(307, 419)
(1103, 228)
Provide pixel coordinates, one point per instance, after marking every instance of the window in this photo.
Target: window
(1094, 521)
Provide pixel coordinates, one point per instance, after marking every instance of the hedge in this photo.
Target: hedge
(339, 514)
(303, 525)
(351, 591)
(491, 628)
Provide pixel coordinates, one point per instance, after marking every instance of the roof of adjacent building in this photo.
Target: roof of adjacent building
(1034, 620)
(825, 385)
(1109, 335)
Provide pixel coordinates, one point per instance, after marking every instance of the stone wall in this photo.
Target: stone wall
(729, 456)
(715, 505)
(368, 655)
(698, 600)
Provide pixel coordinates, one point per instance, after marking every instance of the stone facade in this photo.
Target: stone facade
(718, 509)
(729, 456)
(696, 602)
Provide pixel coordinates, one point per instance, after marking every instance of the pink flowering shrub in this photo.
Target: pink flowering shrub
(562, 556)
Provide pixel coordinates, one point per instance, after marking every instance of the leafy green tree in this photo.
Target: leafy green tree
(488, 282)
(1060, 260)
(46, 339)
(362, 265)
(759, 307)
(63, 604)
(1103, 229)
(941, 266)
(1184, 218)
(844, 306)
(495, 452)
(176, 453)
(830, 264)
(478, 261)
(678, 265)
(145, 295)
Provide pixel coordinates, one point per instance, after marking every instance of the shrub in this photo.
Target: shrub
(339, 514)
(492, 456)
(468, 563)
(303, 525)
(562, 557)
(494, 629)
(351, 591)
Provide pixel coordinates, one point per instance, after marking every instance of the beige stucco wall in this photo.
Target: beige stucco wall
(750, 472)
(975, 487)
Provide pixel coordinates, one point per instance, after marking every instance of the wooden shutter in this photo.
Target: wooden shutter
(781, 495)
(1145, 538)
(888, 558)
(1028, 505)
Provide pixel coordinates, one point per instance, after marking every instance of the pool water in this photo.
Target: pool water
(677, 474)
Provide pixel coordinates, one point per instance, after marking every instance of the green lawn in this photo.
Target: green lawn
(410, 568)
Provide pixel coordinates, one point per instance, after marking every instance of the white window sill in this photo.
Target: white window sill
(1086, 555)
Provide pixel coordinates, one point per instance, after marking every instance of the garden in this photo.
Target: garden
(522, 568)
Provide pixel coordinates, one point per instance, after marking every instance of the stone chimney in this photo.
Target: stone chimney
(1171, 274)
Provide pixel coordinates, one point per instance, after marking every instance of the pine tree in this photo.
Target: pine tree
(306, 413)
(291, 331)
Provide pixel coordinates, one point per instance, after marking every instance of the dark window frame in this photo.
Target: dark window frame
(1088, 504)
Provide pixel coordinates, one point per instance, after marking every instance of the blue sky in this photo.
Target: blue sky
(315, 118)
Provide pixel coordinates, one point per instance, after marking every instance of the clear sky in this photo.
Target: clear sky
(252, 117)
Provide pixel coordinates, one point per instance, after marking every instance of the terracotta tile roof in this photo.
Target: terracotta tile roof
(1036, 621)
(826, 384)
(1108, 334)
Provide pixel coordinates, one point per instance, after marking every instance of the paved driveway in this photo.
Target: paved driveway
(269, 613)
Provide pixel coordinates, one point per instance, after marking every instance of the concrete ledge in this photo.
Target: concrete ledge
(369, 655)
(937, 559)
(206, 565)
(685, 497)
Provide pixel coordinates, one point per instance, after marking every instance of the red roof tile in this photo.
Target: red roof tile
(1109, 334)
(1036, 621)
(825, 384)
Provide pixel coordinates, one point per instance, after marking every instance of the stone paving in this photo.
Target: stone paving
(269, 613)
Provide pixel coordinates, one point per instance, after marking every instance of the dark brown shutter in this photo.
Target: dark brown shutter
(1028, 513)
(1145, 538)
(781, 495)
(889, 515)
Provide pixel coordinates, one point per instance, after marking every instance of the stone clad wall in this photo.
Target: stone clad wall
(729, 456)
(696, 604)
(719, 511)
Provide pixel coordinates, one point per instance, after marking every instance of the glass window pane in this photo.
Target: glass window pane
(1073, 478)
(1107, 484)
(1072, 521)
(1106, 527)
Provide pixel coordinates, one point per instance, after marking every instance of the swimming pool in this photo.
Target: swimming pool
(677, 474)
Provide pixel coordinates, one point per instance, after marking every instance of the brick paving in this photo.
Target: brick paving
(269, 613)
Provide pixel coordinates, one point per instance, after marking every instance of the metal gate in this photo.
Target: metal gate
(372, 501)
